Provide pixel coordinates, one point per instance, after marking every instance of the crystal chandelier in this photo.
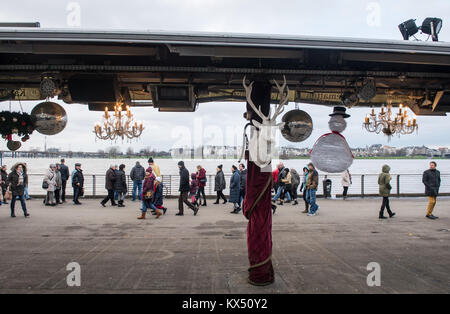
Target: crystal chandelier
(118, 125)
(390, 123)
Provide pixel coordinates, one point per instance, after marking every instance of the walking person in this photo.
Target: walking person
(346, 180)
(303, 188)
(220, 185)
(384, 182)
(137, 175)
(287, 181)
(242, 183)
(193, 189)
(147, 192)
(3, 180)
(16, 181)
(235, 187)
(158, 198)
(77, 183)
(295, 182)
(312, 183)
(58, 184)
(201, 180)
(184, 190)
(120, 185)
(65, 174)
(110, 179)
(280, 184)
(50, 183)
(432, 180)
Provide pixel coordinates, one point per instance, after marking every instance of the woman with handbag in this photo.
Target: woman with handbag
(17, 180)
(49, 184)
(201, 180)
(384, 182)
(147, 192)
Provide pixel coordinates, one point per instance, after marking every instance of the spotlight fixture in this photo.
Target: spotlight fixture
(430, 26)
(408, 29)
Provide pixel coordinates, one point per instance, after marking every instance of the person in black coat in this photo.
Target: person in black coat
(17, 180)
(184, 190)
(110, 180)
(77, 183)
(432, 180)
(243, 182)
(3, 179)
(220, 185)
(65, 175)
(120, 184)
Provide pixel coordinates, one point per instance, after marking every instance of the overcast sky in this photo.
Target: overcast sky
(344, 18)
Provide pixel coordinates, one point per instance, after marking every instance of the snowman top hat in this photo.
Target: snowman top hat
(340, 111)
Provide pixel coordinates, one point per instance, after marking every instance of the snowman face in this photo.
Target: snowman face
(337, 123)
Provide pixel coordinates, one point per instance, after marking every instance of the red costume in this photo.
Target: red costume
(258, 210)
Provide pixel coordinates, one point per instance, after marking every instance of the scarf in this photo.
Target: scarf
(20, 174)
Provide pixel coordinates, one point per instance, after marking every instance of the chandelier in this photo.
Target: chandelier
(390, 123)
(118, 125)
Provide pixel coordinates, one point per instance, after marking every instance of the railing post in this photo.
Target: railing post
(362, 185)
(93, 185)
(398, 185)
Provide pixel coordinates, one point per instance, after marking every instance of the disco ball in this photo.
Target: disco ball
(50, 118)
(297, 126)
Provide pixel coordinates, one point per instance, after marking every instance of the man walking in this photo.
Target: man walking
(77, 183)
(243, 183)
(3, 179)
(110, 180)
(64, 170)
(312, 183)
(184, 190)
(137, 175)
(432, 180)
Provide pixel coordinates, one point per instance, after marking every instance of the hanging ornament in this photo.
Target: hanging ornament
(331, 152)
(16, 122)
(297, 126)
(47, 88)
(25, 138)
(50, 117)
(13, 145)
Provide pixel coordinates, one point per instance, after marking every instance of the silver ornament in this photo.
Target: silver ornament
(297, 126)
(50, 117)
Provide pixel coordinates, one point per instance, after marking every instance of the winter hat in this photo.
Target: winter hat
(149, 169)
(77, 164)
(150, 160)
(181, 163)
(220, 167)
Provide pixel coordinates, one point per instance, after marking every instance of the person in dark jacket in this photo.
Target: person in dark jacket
(65, 174)
(220, 185)
(77, 183)
(184, 190)
(120, 184)
(158, 196)
(137, 175)
(243, 182)
(235, 187)
(193, 189)
(432, 180)
(311, 189)
(279, 183)
(3, 179)
(110, 179)
(303, 188)
(295, 182)
(201, 179)
(17, 180)
(384, 183)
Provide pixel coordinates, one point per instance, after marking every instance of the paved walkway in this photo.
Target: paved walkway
(328, 253)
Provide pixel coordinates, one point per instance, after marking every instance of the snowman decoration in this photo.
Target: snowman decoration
(331, 152)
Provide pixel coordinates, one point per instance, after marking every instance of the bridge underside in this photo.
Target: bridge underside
(177, 72)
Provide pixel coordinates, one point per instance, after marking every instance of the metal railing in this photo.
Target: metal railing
(362, 185)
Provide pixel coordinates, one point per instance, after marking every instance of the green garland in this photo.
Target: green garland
(18, 123)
